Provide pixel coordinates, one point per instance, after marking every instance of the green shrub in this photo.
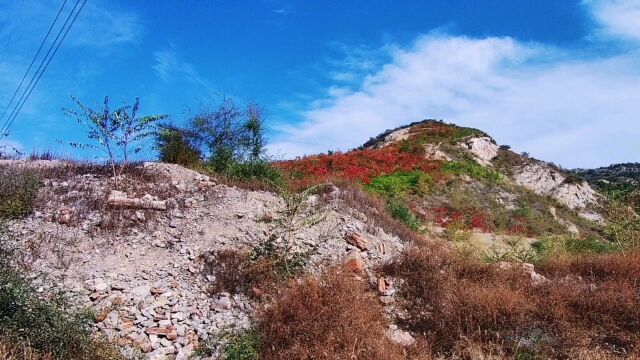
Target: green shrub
(400, 211)
(573, 178)
(228, 134)
(232, 345)
(18, 189)
(400, 183)
(254, 171)
(243, 346)
(623, 222)
(551, 246)
(590, 246)
(46, 326)
(532, 213)
(174, 147)
(472, 169)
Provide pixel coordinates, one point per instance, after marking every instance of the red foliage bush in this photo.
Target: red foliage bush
(519, 227)
(479, 220)
(358, 165)
(471, 218)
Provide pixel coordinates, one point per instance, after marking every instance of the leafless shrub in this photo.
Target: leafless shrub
(590, 304)
(235, 272)
(332, 317)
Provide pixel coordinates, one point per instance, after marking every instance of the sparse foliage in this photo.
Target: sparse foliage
(232, 345)
(119, 133)
(228, 134)
(301, 209)
(9, 152)
(46, 328)
(623, 222)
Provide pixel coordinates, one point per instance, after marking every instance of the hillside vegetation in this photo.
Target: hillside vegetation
(430, 241)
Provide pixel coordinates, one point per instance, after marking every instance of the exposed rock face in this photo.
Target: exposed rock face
(433, 152)
(180, 177)
(544, 180)
(575, 196)
(541, 179)
(528, 269)
(571, 227)
(395, 136)
(483, 149)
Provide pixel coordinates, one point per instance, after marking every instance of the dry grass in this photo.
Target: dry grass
(331, 317)
(235, 272)
(84, 198)
(591, 305)
(12, 351)
(18, 190)
(375, 209)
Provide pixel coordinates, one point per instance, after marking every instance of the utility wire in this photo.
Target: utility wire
(28, 89)
(48, 61)
(32, 62)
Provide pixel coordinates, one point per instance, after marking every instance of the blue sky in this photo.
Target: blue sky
(559, 79)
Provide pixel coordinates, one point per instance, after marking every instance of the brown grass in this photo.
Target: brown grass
(12, 351)
(375, 209)
(85, 200)
(591, 305)
(96, 350)
(331, 317)
(235, 272)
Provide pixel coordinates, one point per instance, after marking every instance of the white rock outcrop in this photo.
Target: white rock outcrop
(544, 180)
(433, 152)
(483, 149)
(393, 137)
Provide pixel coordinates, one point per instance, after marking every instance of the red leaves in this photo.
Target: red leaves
(519, 227)
(358, 165)
(471, 218)
(480, 221)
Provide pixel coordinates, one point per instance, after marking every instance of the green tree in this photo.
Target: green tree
(174, 146)
(218, 132)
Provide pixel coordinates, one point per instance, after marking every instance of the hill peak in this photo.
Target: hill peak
(424, 131)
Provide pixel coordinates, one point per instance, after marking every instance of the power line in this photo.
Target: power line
(32, 62)
(30, 90)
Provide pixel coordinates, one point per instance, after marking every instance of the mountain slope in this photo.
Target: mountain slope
(442, 176)
(415, 241)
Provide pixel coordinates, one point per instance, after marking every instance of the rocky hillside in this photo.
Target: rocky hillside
(172, 261)
(447, 175)
(628, 173)
(616, 180)
(137, 255)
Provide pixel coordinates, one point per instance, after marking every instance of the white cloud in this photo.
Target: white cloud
(558, 106)
(618, 18)
(170, 67)
(104, 25)
(101, 24)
